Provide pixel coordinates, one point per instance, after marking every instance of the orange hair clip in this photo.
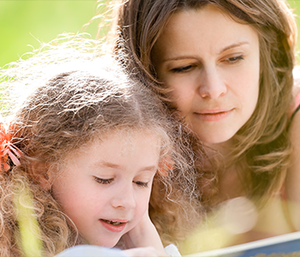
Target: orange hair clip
(8, 152)
(165, 166)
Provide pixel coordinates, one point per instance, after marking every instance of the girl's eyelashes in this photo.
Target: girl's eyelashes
(110, 180)
(103, 181)
(141, 184)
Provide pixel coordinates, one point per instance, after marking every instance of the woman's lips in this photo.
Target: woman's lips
(114, 225)
(214, 115)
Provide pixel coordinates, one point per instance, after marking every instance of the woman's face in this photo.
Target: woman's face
(211, 63)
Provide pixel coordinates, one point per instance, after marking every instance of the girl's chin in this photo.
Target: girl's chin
(113, 243)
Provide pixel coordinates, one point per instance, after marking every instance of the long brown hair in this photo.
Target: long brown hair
(262, 142)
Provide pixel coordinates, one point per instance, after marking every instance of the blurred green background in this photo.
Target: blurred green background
(23, 23)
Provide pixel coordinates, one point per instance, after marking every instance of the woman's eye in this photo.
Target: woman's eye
(103, 181)
(141, 184)
(182, 69)
(234, 59)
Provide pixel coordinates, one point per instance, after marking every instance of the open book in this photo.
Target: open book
(284, 245)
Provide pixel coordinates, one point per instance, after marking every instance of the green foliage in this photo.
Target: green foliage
(26, 22)
(295, 5)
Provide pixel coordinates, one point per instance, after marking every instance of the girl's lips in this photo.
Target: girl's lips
(214, 115)
(114, 225)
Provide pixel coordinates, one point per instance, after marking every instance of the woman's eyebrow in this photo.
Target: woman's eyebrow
(183, 57)
(233, 46)
(179, 58)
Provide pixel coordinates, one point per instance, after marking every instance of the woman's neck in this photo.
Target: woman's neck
(222, 150)
(230, 184)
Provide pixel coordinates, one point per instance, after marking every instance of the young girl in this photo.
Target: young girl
(225, 66)
(88, 145)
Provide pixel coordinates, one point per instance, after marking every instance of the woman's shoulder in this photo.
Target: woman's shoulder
(293, 176)
(294, 126)
(294, 116)
(296, 86)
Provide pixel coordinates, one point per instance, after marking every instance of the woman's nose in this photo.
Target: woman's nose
(211, 84)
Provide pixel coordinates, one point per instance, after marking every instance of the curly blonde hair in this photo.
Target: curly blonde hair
(69, 110)
(262, 144)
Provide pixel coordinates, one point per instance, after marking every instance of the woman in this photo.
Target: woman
(225, 66)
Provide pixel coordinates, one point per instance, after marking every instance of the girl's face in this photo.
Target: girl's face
(212, 64)
(104, 188)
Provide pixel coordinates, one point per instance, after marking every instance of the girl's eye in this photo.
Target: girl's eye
(182, 69)
(103, 181)
(234, 59)
(141, 184)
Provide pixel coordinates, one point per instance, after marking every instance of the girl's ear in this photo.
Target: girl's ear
(44, 180)
(42, 175)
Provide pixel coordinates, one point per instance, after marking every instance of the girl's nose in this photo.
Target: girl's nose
(124, 198)
(211, 84)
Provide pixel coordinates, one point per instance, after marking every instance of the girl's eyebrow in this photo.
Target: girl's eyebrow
(149, 168)
(234, 46)
(116, 166)
(107, 164)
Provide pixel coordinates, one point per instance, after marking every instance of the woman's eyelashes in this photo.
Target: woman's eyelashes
(110, 180)
(183, 69)
(234, 59)
(190, 67)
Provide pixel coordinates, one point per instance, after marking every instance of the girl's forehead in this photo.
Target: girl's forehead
(118, 148)
(124, 138)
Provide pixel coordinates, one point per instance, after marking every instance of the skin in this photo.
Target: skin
(111, 180)
(293, 176)
(212, 69)
(211, 63)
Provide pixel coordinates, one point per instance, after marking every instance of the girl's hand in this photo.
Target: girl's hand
(145, 238)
